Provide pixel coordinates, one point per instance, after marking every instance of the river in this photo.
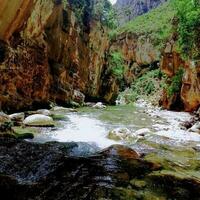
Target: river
(158, 158)
(93, 125)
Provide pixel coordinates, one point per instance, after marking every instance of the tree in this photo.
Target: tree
(104, 12)
(188, 12)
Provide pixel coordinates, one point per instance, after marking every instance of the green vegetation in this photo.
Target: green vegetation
(101, 10)
(188, 13)
(147, 85)
(160, 23)
(82, 10)
(176, 83)
(157, 24)
(116, 62)
(105, 13)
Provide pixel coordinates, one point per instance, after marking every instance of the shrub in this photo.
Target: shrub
(176, 83)
(188, 13)
(148, 85)
(116, 63)
(157, 24)
(104, 12)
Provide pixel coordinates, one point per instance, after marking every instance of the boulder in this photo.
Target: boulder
(78, 97)
(118, 172)
(39, 120)
(121, 151)
(17, 117)
(83, 149)
(119, 134)
(24, 132)
(40, 111)
(74, 104)
(99, 105)
(62, 109)
(142, 131)
(44, 112)
(4, 118)
(5, 122)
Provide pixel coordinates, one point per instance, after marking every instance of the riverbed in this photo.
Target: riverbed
(93, 125)
(77, 159)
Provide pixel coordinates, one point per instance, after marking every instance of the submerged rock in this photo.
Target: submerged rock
(39, 120)
(83, 149)
(24, 133)
(142, 131)
(121, 151)
(121, 134)
(47, 171)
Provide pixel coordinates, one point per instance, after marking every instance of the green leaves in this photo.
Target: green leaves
(117, 65)
(104, 12)
(188, 13)
(157, 24)
(176, 83)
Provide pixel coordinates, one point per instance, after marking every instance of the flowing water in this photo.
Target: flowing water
(93, 125)
(157, 135)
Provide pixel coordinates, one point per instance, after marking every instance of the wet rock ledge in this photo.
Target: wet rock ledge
(55, 171)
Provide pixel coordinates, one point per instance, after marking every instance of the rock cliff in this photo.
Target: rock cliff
(188, 98)
(144, 47)
(49, 51)
(139, 53)
(129, 9)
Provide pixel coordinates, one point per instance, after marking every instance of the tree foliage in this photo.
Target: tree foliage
(116, 62)
(188, 13)
(176, 83)
(104, 12)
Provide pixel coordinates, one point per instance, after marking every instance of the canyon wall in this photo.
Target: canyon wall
(139, 54)
(188, 98)
(50, 53)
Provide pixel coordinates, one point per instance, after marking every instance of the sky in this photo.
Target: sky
(113, 1)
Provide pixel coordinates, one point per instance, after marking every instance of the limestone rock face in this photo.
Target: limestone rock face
(190, 91)
(129, 9)
(139, 53)
(47, 53)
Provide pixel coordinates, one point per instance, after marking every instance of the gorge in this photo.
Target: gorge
(99, 101)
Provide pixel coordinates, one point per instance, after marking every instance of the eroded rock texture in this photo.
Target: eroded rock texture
(47, 171)
(47, 52)
(189, 97)
(139, 53)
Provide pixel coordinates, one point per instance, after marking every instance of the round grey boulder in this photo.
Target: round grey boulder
(39, 120)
